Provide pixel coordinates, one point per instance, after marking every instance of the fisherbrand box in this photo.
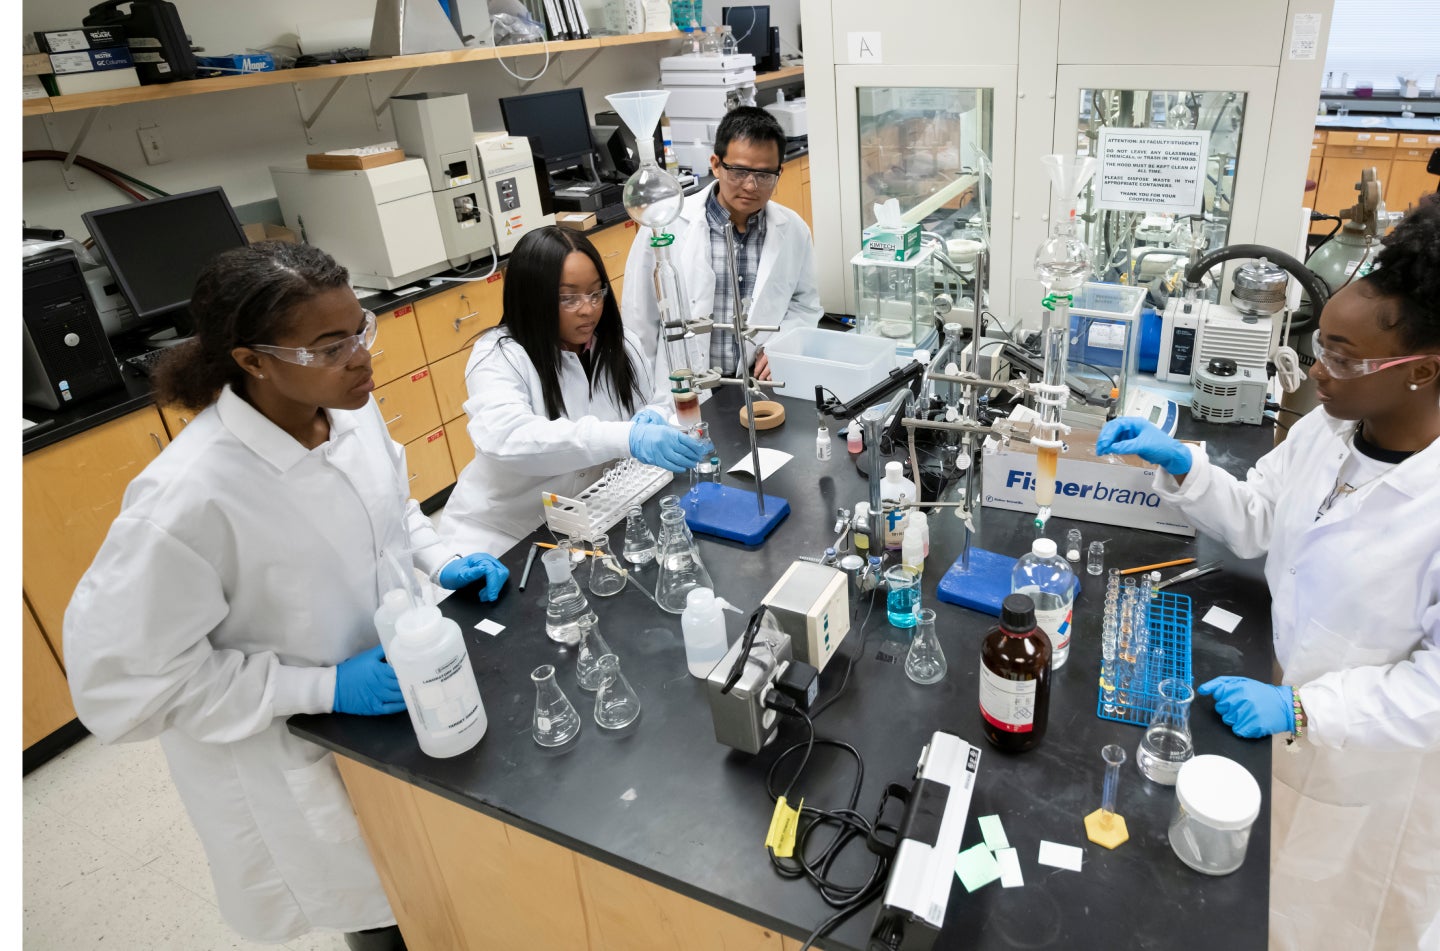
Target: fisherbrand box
(1111, 490)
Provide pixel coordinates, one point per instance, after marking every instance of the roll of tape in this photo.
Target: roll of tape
(768, 414)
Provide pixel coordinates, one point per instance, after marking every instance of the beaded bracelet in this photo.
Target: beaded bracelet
(1300, 721)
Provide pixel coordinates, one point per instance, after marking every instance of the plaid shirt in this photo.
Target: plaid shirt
(723, 352)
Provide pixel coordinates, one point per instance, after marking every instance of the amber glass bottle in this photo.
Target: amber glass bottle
(1015, 678)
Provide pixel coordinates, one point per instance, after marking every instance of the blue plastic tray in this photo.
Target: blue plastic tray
(1169, 656)
(727, 512)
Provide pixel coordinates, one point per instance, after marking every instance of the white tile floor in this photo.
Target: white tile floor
(111, 860)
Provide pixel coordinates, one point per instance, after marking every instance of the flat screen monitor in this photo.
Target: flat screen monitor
(556, 124)
(157, 248)
(751, 26)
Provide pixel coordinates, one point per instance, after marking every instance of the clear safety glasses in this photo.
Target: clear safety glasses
(573, 302)
(1349, 368)
(764, 180)
(330, 355)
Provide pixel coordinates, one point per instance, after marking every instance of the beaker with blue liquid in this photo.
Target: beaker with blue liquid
(902, 595)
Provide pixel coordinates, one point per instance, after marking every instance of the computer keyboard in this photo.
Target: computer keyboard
(143, 364)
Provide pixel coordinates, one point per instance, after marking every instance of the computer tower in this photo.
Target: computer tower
(67, 357)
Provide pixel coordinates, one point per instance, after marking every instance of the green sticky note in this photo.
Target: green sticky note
(994, 833)
(976, 867)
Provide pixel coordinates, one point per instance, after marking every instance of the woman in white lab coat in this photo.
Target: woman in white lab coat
(556, 391)
(1347, 512)
(238, 584)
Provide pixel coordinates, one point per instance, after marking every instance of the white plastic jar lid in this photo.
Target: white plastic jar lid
(1219, 792)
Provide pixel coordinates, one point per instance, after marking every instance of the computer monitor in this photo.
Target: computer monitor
(556, 124)
(751, 26)
(157, 248)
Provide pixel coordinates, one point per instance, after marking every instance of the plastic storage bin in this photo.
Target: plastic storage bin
(1216, 803)
(847, 364)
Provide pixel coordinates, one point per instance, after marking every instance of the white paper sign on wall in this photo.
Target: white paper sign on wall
(1159, 170)
(864, 49)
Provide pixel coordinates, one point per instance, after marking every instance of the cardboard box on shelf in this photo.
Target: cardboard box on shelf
(69, 84)
(35, 64)
(89, 61)
(79, 38)
(576, 220)
(350, 159)
(1111, 490)
(264, 231)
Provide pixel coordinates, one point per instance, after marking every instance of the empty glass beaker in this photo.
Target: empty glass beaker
(1167, 743)
(680, 567)
(925, 661)
(607, 577)
(639, 547)
(556, 721)
(616, 705)
(565, 603)
(592, 647)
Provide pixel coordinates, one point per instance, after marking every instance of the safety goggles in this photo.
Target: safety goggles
(763, 180)
(573, 302)
(1349, 368)
(330, 355)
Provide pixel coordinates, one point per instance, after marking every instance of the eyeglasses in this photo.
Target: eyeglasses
(1349, 368)
(329, 356)
(573, 302)
(740, 176)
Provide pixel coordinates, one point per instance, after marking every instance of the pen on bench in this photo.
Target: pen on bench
(529, 561)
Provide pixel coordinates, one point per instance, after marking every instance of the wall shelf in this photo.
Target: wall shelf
(785, 75)
(333, 71)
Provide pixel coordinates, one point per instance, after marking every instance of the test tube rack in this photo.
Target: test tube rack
(604, 503)
(1169, 656)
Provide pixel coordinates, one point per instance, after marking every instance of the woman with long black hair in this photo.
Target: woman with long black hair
(557, 390)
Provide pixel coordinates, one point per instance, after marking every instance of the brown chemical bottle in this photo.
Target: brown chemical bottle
(1015, 678)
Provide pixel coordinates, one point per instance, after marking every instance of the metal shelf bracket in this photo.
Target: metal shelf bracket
(52, 126)
(310, 120)
(385, 101)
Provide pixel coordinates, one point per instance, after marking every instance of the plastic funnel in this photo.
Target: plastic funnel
(641, 111)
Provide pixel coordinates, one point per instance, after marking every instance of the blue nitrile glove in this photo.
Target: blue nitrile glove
(462, 571)
(649, 417)
(1129, 435)
(664, 446)
(366, 685)
(1250, 708)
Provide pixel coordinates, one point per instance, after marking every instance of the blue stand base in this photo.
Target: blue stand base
(981, 587)
(726, 512)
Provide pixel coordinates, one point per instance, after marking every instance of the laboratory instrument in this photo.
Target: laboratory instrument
(555, 722)
(1044, 577)
(703, 627)
(1216, 803)
(607, 576)
(616, 705)
(925, 661)
(589, 650)
(565, 603)
(639, 548)
(1073, 542)
(680, 567)
(738, 686)
(1167, 744)
(442, 696)
(436, 128)
(512, 193)
(1015, 678)
(1105, 826)
(902, 595)
(1188, 575)
(1095, 558)
(810, 605)
(917, 893)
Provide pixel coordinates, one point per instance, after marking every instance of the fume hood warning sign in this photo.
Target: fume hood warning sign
(1152, 170)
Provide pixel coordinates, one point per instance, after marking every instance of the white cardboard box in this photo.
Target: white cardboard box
(1088, 488)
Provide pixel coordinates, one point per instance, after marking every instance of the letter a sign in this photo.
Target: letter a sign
(865, 49)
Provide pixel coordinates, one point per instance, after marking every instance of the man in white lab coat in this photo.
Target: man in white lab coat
(1347, 512)
(775, 256)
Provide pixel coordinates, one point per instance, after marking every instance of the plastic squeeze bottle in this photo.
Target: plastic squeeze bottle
(896, 488)
(703, 624)
(395, 603)
(441, 694)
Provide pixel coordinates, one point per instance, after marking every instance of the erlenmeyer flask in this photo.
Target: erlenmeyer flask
(565, 603)
(1167, 743)
(639, 547)
(556, 721)
(616, 705)
(587, 658)
(607, 577)
(672, 503)
(925, 662)
(680, 567)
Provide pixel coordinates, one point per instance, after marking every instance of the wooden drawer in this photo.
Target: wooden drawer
(1359, 152)
(1419, 140)
(1377, 139)
(1317, 149)
(613, 243)
(397, 350)
(1414, 155)
(462, 447)
(428, 459)
(176, 418)
(1319, 137)
(46, 704)
(449, 376)
(408, 405)
(451, 320)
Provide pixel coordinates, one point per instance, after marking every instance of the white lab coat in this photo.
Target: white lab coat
(521, 452)
(242, 568)
(1356, 618)
(784, 291)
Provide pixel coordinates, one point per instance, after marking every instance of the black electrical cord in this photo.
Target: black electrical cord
(1008, 335)
(850, 662)
(1319, 216)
